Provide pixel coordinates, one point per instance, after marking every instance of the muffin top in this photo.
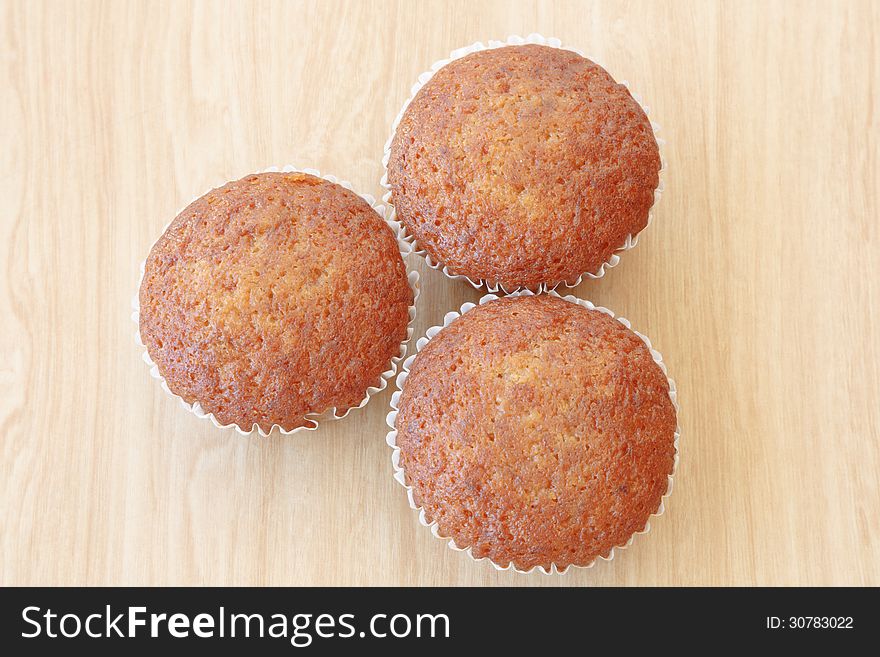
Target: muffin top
(274, 296)
(523, 165)
(537, 432)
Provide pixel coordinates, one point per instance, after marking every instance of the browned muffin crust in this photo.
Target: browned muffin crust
(274, 296)
(523, 165)
(537, 432)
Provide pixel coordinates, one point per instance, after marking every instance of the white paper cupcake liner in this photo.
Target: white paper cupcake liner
(628, 243)
(313, 419)
(400, 475)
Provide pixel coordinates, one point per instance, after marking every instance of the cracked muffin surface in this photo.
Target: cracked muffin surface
(535, 432)
(523, 165)
(273, 297)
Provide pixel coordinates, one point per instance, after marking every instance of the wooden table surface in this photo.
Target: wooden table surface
(759, 281)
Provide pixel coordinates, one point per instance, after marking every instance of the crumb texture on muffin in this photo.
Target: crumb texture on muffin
(523, 165)
(537, 432)
(274, 296)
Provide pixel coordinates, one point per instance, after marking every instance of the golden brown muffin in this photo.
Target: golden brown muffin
(537, 432)
(523, 165)
(274, 296)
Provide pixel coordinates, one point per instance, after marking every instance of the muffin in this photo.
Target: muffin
(273, 298)
(536, 432)
(523, 166)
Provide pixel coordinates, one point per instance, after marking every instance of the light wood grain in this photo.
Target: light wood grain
(759, 281)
